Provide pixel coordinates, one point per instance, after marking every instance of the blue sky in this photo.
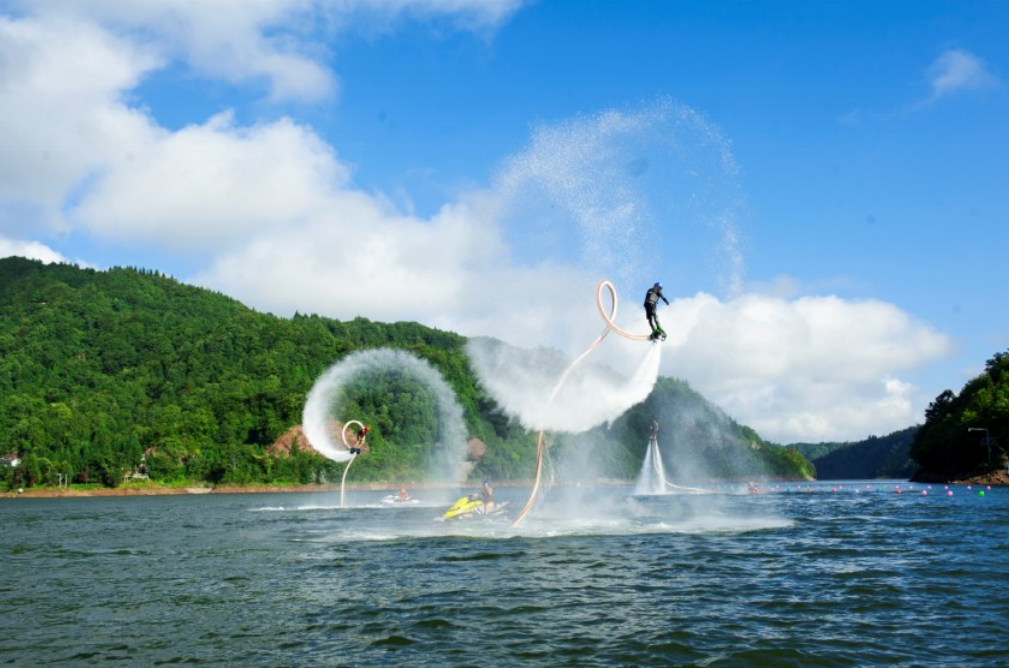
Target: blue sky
(821, 186)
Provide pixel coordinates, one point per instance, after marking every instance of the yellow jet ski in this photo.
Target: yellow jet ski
(472, 506)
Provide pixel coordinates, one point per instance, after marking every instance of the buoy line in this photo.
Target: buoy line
(610, 326)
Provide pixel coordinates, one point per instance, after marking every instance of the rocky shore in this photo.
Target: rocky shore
(999, 477)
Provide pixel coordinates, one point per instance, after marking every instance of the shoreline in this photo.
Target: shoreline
(996, 478)
(315, 488)
(55, 493)
(999, 478)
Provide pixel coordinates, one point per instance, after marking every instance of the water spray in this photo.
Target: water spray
(609, 318)
(652, 479)
(319, 423)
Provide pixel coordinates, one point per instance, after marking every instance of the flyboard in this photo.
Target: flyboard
(343, 434)
(609, 318)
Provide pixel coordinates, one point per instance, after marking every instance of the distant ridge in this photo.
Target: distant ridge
(875, 457)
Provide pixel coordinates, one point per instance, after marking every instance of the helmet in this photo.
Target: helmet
(658, 285)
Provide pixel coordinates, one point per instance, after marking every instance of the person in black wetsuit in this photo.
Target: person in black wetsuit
(652, 298)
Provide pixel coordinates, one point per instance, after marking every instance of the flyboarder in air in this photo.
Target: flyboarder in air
(652, 298)
(362, 434)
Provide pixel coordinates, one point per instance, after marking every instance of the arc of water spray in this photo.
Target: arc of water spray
(610, 326)
(343, 435)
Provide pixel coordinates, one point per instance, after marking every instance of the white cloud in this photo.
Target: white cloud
(73, 140)
(352, 258)
(955, 70)
(63, 120)
(224, 39)
(355, 257)
(209, 186)
(32, 250)
(281, 42)
(814, 368)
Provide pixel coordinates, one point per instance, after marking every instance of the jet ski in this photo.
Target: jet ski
(472, 507)
(396, 499)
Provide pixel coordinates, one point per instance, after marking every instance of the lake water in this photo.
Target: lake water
(860, 576)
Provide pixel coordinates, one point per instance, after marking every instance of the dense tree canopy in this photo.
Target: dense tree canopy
(875, 457)
(967, 433)
(106, 373)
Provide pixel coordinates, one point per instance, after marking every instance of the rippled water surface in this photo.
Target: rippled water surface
(797, 576)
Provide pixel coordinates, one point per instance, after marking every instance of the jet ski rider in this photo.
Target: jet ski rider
(488, 496)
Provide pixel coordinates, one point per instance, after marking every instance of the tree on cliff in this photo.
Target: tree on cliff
(968, 433)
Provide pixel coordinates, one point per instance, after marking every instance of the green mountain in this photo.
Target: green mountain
(699, 442)
(875, 457)
(967, 434)
(104, 373)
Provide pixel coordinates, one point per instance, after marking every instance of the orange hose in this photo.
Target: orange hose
(610, 325)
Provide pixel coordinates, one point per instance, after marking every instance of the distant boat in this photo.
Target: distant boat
(396, 498)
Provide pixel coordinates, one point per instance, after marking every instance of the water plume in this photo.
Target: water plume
(701, 443)
(322, 423)
(523, 382)
(652, 479)
(638, 194)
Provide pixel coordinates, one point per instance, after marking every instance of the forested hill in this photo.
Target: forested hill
(967, 434)
(875, 457)
(100, 367)
(103, 370)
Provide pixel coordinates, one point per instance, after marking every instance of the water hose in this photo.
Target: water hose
(610, 326)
